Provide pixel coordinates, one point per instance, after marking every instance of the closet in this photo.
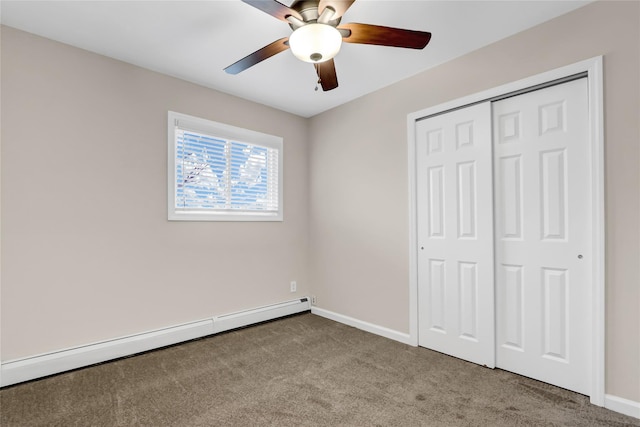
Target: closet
(504, 233)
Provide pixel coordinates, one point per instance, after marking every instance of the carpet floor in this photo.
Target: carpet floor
(303, 370)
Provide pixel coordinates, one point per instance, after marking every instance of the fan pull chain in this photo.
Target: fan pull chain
(319, 81)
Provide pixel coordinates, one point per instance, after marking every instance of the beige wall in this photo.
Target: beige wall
(87, 251)
(359, 262)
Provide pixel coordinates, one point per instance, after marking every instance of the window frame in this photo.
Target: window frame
(226, 132)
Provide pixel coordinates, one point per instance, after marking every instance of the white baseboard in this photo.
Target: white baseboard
(30, 368)
(365, 326)
(621, 405)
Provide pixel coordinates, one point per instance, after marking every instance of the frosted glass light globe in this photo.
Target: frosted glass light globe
(315, 42)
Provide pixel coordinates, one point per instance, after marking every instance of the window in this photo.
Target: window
(219, 172)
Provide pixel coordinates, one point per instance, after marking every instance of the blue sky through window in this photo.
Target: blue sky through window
(213, 173)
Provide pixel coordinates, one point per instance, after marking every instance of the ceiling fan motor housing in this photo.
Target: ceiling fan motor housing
(308, 9)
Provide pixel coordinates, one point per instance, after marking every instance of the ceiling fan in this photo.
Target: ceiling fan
(317, 38)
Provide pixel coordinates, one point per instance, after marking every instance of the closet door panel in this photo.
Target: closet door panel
(543, 235)
(455, 234)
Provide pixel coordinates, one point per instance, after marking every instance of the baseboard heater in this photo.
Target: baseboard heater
(240, 319)
(30, 368)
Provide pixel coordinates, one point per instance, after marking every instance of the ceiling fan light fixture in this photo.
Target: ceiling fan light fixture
(315, 42)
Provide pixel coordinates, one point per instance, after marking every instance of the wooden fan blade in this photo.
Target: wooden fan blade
(385, 36)
(273, 8)
(340, 6)
(327, 74)
(258, 56)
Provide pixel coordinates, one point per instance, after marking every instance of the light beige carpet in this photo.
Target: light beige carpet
(299, 371)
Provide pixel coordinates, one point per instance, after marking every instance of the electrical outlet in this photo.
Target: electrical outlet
(313, 300)
(294, 286)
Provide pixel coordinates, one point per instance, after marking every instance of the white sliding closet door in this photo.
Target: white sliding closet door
(455, 234)
(532, 152)
(543, 235)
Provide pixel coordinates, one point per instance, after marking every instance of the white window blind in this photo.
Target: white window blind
(224, 173)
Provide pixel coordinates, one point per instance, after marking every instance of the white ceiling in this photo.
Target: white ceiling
(196, 40)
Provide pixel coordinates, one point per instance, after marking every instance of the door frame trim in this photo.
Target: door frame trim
(593, 68)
